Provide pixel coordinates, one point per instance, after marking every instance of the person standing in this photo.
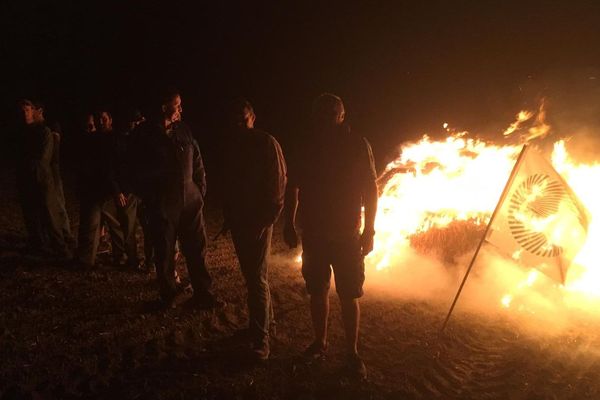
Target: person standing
(36, 185)
(254, 178)
(332, 179)
(101, 196)
(61, 210)
(169, 177)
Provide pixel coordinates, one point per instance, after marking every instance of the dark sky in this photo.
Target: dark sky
(402, 67)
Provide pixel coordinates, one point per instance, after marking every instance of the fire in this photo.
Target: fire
(455, 179)
(435, 184)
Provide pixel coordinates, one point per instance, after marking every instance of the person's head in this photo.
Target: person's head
(170, 105)
(88, 122)
(27, 111)
(242, 114)
(328, 111)
(38, 112)
(104, 120)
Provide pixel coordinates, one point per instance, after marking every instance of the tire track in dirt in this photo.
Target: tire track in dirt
(478, 363)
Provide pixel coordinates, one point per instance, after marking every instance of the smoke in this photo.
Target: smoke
(496, 288)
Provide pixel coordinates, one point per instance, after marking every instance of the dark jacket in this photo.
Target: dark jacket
(97, 158)
(254, 178)
(35, 151)
(167, 171)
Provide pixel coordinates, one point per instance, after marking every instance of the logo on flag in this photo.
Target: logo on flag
(539, 221)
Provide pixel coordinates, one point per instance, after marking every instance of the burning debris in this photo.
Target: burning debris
(438, 196)
(537, 127)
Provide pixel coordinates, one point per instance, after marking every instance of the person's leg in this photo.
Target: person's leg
(142, 214)
(31, 214)
(252, 249)
(163, 233)
(349, 272)
(316, 271)
(117, 238)
(89, 231)
(319, 311)
(192, 237)
(53, 219)
(65, 222)
(351, 319)
(127, 220)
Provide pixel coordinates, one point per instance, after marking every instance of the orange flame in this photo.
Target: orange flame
(435, 183)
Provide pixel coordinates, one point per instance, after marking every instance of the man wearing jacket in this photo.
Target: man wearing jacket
(254, 178)
(169, 177)
(101, 196)
(39, 197)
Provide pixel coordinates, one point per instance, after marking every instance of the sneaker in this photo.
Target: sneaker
(315, 352)
(356, 367)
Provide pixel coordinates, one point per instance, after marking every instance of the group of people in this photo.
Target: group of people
(153, 171)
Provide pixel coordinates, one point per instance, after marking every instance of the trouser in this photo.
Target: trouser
(32, 216)
(127, 220)
(93, 213)
(188, 226)
(142, 214)
(41, 214)
(252, 247)
(63, 216)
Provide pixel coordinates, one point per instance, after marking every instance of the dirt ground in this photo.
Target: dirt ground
(66, 334)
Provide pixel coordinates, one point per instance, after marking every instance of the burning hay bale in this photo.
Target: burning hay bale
(450, 242)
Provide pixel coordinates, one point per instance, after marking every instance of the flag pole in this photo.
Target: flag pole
(500, 201)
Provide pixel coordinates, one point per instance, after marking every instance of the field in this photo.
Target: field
(73, 334)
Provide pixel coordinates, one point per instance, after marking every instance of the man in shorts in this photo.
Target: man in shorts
(331, 179)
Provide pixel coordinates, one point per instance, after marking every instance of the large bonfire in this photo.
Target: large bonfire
(438, 197)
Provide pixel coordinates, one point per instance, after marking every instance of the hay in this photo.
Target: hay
(450, 242)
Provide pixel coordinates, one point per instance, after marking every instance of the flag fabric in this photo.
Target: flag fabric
(539, 222)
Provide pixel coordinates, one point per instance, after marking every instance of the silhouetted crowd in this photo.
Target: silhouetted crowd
(152, 171)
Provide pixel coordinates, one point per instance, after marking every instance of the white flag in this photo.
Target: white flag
(539, 221)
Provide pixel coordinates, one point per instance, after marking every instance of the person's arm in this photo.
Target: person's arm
(199, 173)
(276, 181)
(42, 161)
(369, 197)
(290, 236)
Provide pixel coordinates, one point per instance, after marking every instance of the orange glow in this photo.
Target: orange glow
(459, 179)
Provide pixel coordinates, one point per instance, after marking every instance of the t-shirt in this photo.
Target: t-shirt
(332, 171)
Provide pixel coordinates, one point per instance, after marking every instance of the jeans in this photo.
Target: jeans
(252, 247)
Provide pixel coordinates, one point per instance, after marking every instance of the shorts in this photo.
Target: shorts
(319, 256)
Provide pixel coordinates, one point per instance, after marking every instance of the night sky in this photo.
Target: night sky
(402, 67)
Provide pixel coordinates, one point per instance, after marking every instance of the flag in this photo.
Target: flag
(539, 221)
